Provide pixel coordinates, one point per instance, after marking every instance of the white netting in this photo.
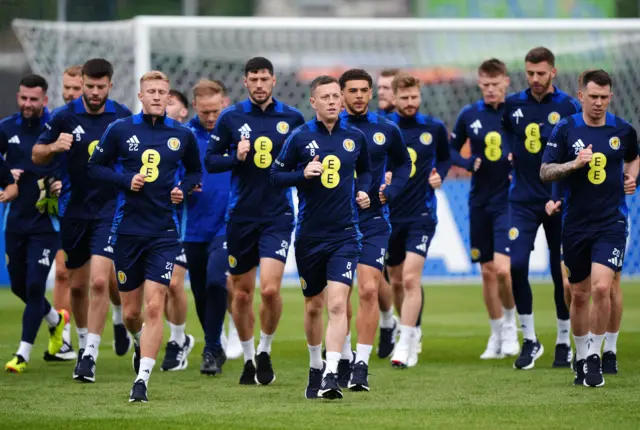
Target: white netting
(445, 54)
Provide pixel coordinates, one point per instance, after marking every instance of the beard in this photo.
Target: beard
(92, 104)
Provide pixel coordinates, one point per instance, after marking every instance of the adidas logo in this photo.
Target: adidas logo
(578, 146)
(166, 276)
(422, 247)
(282, 253)
(348, 275)
(517, 115)
(380, 260)
(616, 261)
(108, 249)
(133, 143)
(182, 258)
(15, 139)
(44, 261)
(312, 145)
(78, 130)
(245, 130)
(476, 125)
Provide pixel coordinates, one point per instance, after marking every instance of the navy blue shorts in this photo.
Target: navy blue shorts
(181, 259)
(323, 260)
(581, 249)
(29, 257)
(140, 258)
(217, 264)
(375, 240)
(82, 238)
(489, 231)
(524, 222)
(249, 241)
(409, 237)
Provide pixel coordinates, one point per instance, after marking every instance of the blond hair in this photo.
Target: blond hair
(404, 80)
(206, 87)
(154, 75)
(73, 71)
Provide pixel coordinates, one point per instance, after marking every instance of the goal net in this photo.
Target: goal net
(443, 53)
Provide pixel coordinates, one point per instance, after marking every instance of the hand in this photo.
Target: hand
(434, 179)
(381, 196)
(176, 196)
(387, 178)
(476, 164)
(314, 168)
(63, 143)
(196, 189)
(362, 199)
(16, 174)
(243, 149)
(584, 157)
(629, 184)
(510, 158)
(552, 208)
(137, 182)
(9, 193)
(55, 188)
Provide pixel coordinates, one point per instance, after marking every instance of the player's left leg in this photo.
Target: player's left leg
(121, 340)
(610, 350)
(388, 321)
(553, 231)
(62, 300)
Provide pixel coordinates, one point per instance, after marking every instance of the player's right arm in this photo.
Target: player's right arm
(220, 143)
(554, 165)
(631, 162)
(10, 191)
(51, 142)
(457, 141)
(283, 172)
(103, 158)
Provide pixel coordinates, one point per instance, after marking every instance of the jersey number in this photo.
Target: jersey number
(263, 146)
(92, 147)
(493, 142)
(330, 176)
(532, 142)
(597, 174)
(414, 157)
(150, 163)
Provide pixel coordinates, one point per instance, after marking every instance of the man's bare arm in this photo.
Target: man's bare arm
(554, 172)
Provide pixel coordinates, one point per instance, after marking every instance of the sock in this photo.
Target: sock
(116, 315)
(496, 326)
(315, 356)
(528, 330)
(93, 343)
(265, 343)
(347, 352)
(146, 366)
(52, 318)
(611, 342)
(406, 337)
(248, 347)
(582, 346)
(82, 337)
(66, 333)
(363, 352)
(563, 332)
(509, 316)
(136, 337)
(596, 344)
(332, 362)
(24, 350)
(386, 319)
(177, 333)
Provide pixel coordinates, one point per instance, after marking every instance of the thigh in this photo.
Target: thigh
(577, 256)
(311, 259)
(101, 239)
(16, 246)
(41, 253)
(553, 232)
(129, 262)
(159, 257)
(217, 263)
(419, 238)
(196, 257)
(75, 239)
(375, 239)
(274, 240)
(396, 251)
(242, 244)
(523, 227)
(342, 261)
(481, 234)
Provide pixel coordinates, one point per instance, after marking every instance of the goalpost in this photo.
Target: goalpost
(444, 53)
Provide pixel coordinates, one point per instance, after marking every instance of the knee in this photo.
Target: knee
(78, 289)
(503, 272)
(100, 284)
(368, 292)
(601, 289)
(412, 281)
(62, 276)
(241, 298)
(269, 292)
(580, 296)
(489, 272)
(337, 308)
(313, 308)
(18, 291)
(131, 315)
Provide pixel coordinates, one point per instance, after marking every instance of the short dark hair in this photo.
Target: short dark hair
(258, 63)
(97, 68)
(180, 96)
(355, 75)
(322, 80)
(597, 76)
(389, 73)
(34, 81)
(540, 54)
(492, 67)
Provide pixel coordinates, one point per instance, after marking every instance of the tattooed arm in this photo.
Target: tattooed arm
(550, 172)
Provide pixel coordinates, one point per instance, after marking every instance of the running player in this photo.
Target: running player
(596, 153)
(145, 225)
(86, 208)
(480, 123)
(260, 216)
(413, 212)
(327, 233)
(529, 117)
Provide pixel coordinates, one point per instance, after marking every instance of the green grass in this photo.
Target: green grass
(450, 388)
